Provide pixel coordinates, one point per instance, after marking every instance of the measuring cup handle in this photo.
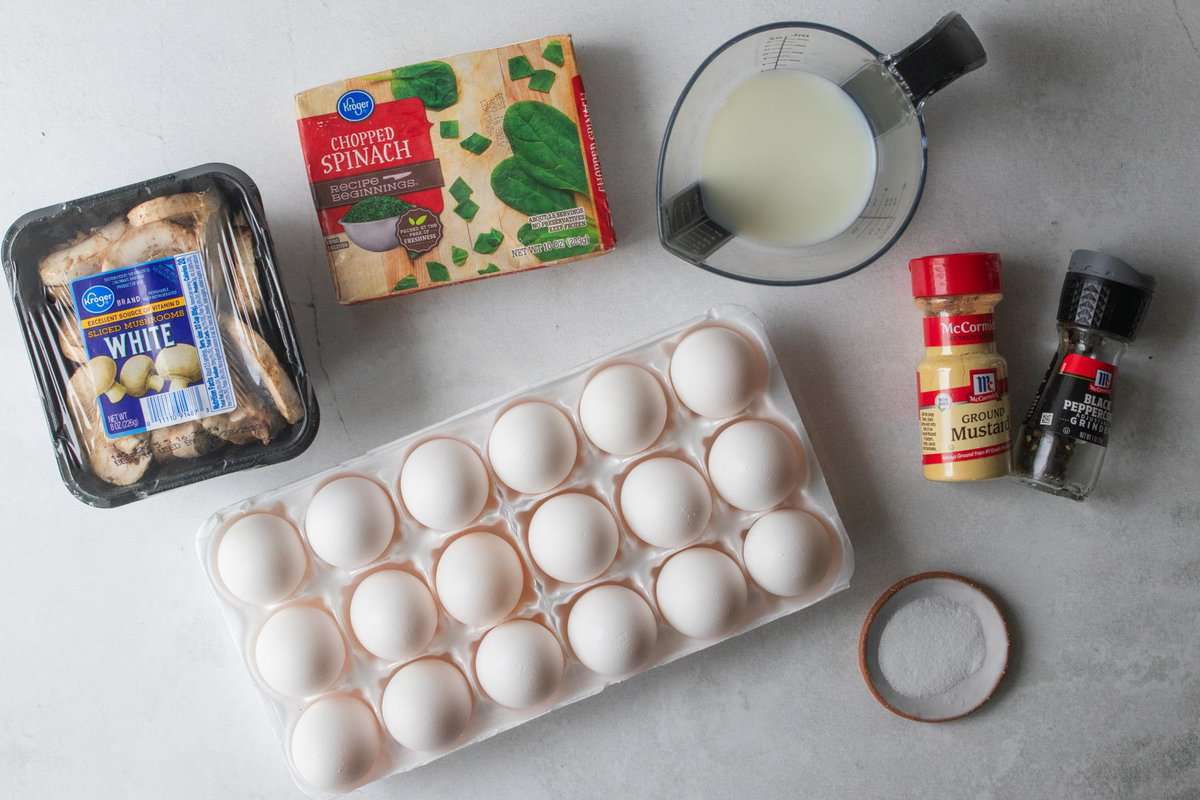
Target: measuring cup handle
(949, 50)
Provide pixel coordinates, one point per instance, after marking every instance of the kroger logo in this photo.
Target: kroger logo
(355, 105)
(98, 299)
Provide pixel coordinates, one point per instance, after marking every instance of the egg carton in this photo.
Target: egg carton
(416, 549)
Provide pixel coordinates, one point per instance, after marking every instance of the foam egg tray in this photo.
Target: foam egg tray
(528, 553)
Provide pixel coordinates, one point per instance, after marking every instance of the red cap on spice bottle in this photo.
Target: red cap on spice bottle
(955, 273)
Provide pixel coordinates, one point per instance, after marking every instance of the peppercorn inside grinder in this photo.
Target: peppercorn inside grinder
(1063, 438)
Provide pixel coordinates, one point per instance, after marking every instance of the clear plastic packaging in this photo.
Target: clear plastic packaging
(417, 550)
(159, 334)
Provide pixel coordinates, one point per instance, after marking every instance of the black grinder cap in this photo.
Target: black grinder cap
(1103, 292)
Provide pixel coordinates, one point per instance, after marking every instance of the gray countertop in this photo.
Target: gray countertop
(119, 679)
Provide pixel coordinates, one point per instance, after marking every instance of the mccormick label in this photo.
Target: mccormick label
(962, 329)
(151, 327)
(967, 421)
(1076, 399)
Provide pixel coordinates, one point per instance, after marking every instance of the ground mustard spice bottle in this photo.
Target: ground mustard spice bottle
(962, 383)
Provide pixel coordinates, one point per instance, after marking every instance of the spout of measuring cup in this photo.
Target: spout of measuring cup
(949, 50)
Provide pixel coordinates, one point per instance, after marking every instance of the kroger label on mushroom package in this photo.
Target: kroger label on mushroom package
(452, 170)
(153, 344)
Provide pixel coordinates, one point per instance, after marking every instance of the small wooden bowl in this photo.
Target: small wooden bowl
(961, 699)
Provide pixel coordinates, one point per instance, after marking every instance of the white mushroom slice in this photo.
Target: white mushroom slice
(70, 341)
(112, 465)
(185, 440)
(81, 401)
(265, 368)
(247, 293)
(122, 461)
(135, 373)
(213, 234)
(188, 206)
(180, 363)
(102, 371)
(148, 242)
(83, 256)
(253, 420)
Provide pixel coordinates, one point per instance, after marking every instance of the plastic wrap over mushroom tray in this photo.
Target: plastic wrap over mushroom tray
(160, 336)
(410, 601)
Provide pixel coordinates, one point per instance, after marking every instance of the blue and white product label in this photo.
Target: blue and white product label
(158, 315)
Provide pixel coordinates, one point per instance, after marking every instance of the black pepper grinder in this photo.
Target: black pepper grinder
(1062, 441)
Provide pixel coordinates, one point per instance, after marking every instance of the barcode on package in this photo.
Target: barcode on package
(171, 408)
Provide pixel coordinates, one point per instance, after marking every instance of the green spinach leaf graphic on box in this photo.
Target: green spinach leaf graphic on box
(543, 175)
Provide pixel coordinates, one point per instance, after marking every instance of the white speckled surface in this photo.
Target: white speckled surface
(1081, 132)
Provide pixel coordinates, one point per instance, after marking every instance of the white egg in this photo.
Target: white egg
(299, 651)
(788, 552)
(335, 743)
(666, 502)
(716, 372)
(261, 559)
(612, 630)
(754, 465)
(350, 522)
(701, 592)
(444, 484)
(573, 537)
(532, 447)
(479, 578)
(519, 664)
(393, 614)
(623, 409)
(426, 705)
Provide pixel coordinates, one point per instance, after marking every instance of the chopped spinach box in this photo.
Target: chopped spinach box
(452, 170)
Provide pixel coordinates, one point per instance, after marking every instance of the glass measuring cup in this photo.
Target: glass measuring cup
(890, 90)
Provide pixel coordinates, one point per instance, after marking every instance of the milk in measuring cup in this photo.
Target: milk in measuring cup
(789, 160)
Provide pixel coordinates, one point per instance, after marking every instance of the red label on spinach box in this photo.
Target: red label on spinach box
(370, 149)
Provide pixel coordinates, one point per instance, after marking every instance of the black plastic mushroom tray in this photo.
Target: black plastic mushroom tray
(222, 388)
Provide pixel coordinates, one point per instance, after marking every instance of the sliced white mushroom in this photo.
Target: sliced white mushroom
(70, 341)
(148, 242)
(103, 371)
(247, 292)
(121, 461)
(184, 207)
(179, 363)
(135, 373)
(82, 256)
(252, 421)
(264, 367)
(213, 235)
(185, 440)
